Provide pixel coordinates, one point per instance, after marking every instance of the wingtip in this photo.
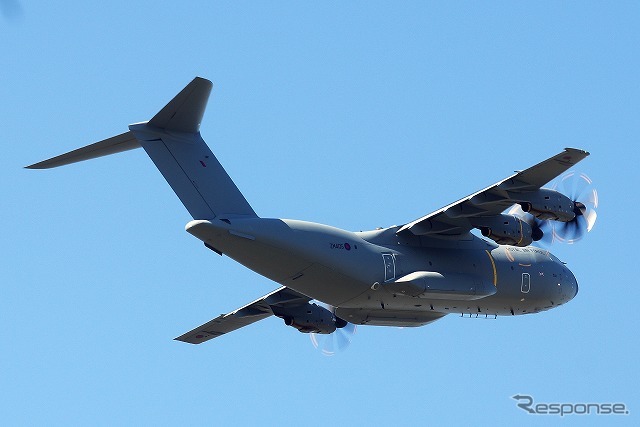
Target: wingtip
(586, 153)
(203, 80)
(184, 340)
(35, 166)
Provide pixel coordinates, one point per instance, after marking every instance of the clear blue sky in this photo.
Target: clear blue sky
(354, 114)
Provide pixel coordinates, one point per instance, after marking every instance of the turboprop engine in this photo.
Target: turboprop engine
(309, 318)
(505, 229)
(548, 204)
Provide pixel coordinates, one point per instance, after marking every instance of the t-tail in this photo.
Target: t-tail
(172, 140)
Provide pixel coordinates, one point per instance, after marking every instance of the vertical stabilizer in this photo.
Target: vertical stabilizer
(193, 172)
(172, 140)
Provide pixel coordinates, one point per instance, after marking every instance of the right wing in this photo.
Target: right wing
(458, 218)
(250, 313)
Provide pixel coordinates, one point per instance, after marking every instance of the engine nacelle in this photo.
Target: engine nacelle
(309, 318)
(505, 229)
(547, 204)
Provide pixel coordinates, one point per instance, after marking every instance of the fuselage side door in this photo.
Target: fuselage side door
(525, 287)
(389, 267)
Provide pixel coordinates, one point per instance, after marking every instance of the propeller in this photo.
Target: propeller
(541, 230)
(338, 340)
(579, 188)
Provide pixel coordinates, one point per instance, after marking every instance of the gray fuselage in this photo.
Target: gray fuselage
(407, 275)
(361, 273)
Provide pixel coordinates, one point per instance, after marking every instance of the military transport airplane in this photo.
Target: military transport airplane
(407, 275)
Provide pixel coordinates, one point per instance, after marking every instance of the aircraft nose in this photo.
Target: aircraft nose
(572, 283)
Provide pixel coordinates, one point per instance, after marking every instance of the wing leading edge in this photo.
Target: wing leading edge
(456, 218)
(246, 315)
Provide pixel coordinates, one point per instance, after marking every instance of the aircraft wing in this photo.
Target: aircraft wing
(454, 219)
(250, 313)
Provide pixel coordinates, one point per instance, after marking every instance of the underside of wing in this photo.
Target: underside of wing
(259, 309)
(482, 210)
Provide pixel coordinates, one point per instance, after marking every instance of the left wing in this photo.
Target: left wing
(459, 218)
(250, 313)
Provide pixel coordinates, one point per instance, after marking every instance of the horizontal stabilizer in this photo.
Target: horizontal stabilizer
(173, 142)
(185, 111)
(116, 144)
